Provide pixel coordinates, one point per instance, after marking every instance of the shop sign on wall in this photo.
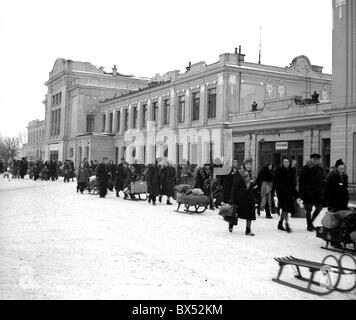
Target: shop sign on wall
(282, 145)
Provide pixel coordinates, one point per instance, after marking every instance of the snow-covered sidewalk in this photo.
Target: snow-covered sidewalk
(58, 244)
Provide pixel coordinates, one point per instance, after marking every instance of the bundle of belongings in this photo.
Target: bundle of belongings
(338, 228)
(93, 184)
(228, 212)
(189, 196)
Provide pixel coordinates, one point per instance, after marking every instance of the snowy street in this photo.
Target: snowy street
(59, 244)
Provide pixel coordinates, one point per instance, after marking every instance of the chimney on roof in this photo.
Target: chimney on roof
(189, 66)
(114, 71)
(241, 57)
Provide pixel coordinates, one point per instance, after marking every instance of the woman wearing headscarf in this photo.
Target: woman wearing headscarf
(336, 194)
(243, 196)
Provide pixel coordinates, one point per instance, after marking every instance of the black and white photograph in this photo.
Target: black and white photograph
(178, 150)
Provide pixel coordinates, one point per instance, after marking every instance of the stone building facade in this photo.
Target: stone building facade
(34, 148)
(206, 113)
(74, 89)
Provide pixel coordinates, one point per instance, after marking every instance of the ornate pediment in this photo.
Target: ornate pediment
(300, 64)
(58, 67)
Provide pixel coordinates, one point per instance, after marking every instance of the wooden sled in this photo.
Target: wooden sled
(314, 267)
(197, 208)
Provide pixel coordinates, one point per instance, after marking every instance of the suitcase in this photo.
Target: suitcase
(139, 187)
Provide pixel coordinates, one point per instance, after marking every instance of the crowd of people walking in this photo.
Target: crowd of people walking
(239, 194)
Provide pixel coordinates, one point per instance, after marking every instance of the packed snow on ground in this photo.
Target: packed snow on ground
(59, 244)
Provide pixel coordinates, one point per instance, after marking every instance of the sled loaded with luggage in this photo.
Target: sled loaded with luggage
(338, 230)
(92, 186)
(136, 188)
(193, 199)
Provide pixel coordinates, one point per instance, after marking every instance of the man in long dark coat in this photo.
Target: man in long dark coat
(153, 182)
(168, 178)
(121, 176)
(102, 174)
(311, 188)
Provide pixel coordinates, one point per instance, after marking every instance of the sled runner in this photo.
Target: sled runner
(328, 284)
(338, 238)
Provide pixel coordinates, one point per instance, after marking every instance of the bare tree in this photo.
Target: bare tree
(9, 148)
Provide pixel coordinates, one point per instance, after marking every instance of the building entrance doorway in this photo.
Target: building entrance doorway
(274, 152)
(53, 155)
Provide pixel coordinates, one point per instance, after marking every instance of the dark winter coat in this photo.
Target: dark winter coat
(121, 175)
(284, 181)
(226, 183)
(53, 169)
(102, 173)
(23, 167)
(83, 175)
(336, 194)
(311, 184)
(243, 197)
(153, 180)
(168, 176)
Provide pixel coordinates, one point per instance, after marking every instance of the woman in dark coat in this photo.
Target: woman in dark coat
(243, 197)
(168, 177)
(102, 174)
(153, 182)
(286, 193)
(336, 193)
